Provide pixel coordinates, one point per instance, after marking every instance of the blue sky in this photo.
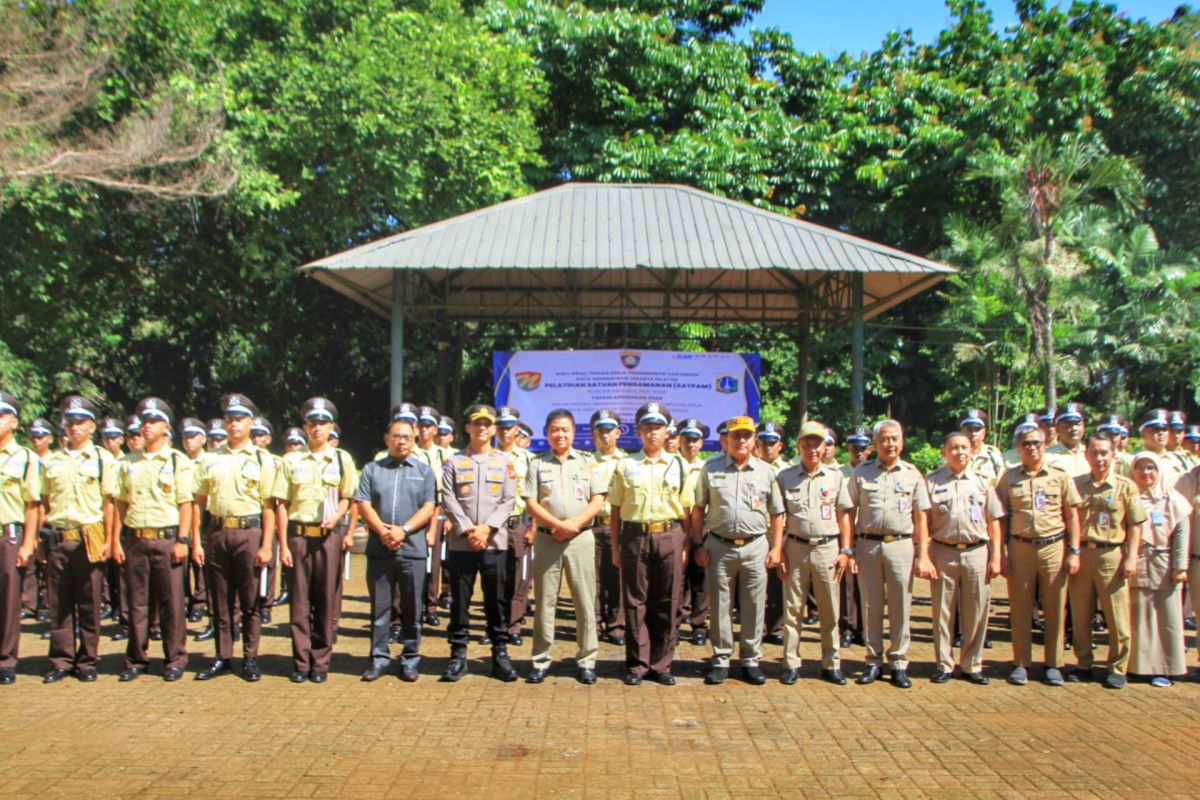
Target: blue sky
(857, 25)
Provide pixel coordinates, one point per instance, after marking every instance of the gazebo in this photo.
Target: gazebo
(592, 252)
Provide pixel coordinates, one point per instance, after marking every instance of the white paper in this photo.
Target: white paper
(329, 508)
(346, 565)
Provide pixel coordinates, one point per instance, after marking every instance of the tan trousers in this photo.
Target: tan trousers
(746, 568)
(885, 575)
(810, 567)
(576, 557)
(1033, 566)
(1100, 576)
(961, 573)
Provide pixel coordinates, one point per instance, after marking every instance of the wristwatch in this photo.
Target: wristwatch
(404, 528)
(1074, 550)
(847, 551)
(183, 539)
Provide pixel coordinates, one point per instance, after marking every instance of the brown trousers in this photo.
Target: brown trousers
(1100, 577)
(10, 601)
(152, 578)
(433, 576)
(693, 596)
(74, 590)
(610, 605)
(235, 582)
(520, 575)
(1036, 567)
(313, 597)
(196, 589)
(651, 569)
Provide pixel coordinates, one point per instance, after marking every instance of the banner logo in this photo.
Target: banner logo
(528, 381)
(630, 358)
(727, 384)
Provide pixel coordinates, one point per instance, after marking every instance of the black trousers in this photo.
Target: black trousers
(491, 568)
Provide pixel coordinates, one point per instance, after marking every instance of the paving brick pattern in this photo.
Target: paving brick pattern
(482, 739)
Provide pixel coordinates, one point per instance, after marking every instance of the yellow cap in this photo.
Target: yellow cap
(740, 424)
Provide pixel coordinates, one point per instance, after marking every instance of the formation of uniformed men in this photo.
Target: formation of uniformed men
(1087, 534)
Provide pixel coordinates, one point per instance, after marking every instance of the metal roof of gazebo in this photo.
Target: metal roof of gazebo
(627, 252)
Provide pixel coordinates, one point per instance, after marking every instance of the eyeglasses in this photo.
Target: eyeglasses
(1033, 443)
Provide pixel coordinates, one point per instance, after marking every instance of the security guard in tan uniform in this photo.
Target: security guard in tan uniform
(649, 544)
(1177, 421)
(1041, 521)
(78, 485)
(20, 491)
(813, 548)
(478, 491)
(216, 434)
(193, 436)
(154, 511)
(1068, 455)
(41, 436)
(693, 604)
(1110, 522)
(519, 577)
(262, 432)
(986, 460)
(770, 450)
(966, 551)
(318, 484)
(1155, 430)
(435, 455)
(1115, 426)
(891, 502)
(445, 432)
(563, 491)
(737, 501)
(859, 448)
(1191, 442)
(239, 486)
(610, 607)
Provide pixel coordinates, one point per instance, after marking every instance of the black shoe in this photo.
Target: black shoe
(1068, 644)
(987, 644)
(45, 635)
(1039, 625)
(790, 676)
(485, 639)
(1098, 624)
(172, 674)
(1189, 623)
(195, 615)
(716, 676)
(773, 638)
(502, 668)
(685, 620)
(374, 672)
(753, 675)
(265, 616)
(107, 613)
(870, 676)
(250, 670)
(24, 614)
(700, 638)
(957, 640)
(215, 670)
(431, 618)
(43, 616)
(941, 676)
(206, 634)
(394, 636)
(586, 676)
(156, 635)
(664, 679)
(408, 673)
(86, 674)
(281, 600)
(977, 678)
(617, 639)
(299, 677)
(1080, 676)
(444, 601)
(632, 679)
(316, 676)
(900, 679)
(7, 675)
(54, 676)
(131, 674)
(537, 675)
(121, 635)
(847, 639)
(833, 676)
(811, 619)
(455, 669)
(515, 639)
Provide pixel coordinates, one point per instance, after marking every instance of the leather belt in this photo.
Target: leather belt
(306, 530)
(238, 523)
(1090, 545)
(739, 541)
(1038, 541)
(169, 532)
(13, 529)
(961, 545)
(515, 519)
(815, 541)
(61, 535)
(651, 527)
(883, 537)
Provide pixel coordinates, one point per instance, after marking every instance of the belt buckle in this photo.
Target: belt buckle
(656, 527)
(230, 522)
(888, 538)
(1091, 545)
(739, 542)
(961, 546)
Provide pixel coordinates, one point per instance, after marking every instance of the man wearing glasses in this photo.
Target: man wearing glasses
(1041, 506)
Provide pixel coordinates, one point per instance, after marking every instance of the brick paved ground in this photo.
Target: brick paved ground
(483, 739)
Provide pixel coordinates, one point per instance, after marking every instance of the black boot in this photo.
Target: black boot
(502, 668)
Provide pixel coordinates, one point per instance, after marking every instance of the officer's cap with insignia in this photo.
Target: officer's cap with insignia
(111, 428)
(653, 414)
(481, 411)
(693, 428)
(507, 417)
(1071, 412)
(1027, 423)
(830, 436)
(859, 437)
(336, 433)
(525, 429)
(1048, 415)
(1192, 433)
(154, 408)
(773, 431)
(40, 427)
(294, 436)
(739, 424)
(605, 418)
(672, 428)
(1113, 423)
(445, 424)
(133, 425)
(427, 415)
(190, 426)
(1178, 420)
(723, 428)
(9, 404)
(1155, 418)
(238, 405)
(319, 409)
(405, 412)
(974, 418)
(216, 428)
(261, 426)
(78, 407)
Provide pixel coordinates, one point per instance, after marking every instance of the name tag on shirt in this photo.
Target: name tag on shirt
(1104, 519)
(976, 514)
(1157, 517)
(579, 493)
(756, 503)
(826, 512)
(903, 503)
(1039, 500)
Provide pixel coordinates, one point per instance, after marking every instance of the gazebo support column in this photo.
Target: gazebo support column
(397, 382)
(856, 349)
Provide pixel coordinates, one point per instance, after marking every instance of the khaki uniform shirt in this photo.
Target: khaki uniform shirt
(887, 496)
(988, 463)
(607, 464)
(20, 482)
(564, 486)
(1012, 458)
(738, 501)
(237, 483)
(1124, 464)
(154, 485)
(962, 505)
(1034, 502)
(435, 458)
(1107, 506)
(1072, 462)
(812, 501)
(520, 459)
(648, 490)
(479, 489)
(311, 480)
(1188, 486)
(75, 483)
